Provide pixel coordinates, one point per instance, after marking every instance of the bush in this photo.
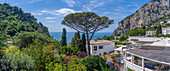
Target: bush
(116, 46)
(149, 36)
(108, 37)
(93, 62)
(123, 38)
(68, 50)
(161, 35)
(99, 39)
(168, 35)
(134, 40)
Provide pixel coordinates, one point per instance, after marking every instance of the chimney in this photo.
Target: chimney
(95, 39)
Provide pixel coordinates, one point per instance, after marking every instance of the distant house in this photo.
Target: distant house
(8, 43)
(162, 22)
(101, 47)
(168, 21)
(152, 33)
(166, 30)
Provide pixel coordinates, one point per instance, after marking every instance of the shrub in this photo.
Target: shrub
(134, 40)
(149, 36)
(93, 62)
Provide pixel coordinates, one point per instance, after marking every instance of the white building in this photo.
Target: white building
(166, 30)
(152, 33)
(153, 57)
(101, 47)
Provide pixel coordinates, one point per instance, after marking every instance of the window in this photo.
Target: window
(95, 48)
(105, 53)
(100, 54)
(100, 47)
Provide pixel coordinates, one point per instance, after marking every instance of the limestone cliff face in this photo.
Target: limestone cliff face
(147, 14)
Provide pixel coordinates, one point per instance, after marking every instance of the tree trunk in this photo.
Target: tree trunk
(88, 43)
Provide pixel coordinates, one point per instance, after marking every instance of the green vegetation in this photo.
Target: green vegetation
(128, 69)
(33, 49)
(68, 50)
(27, 38)
(83, 43)
(76, 40)
(13, 20)
(157, 22)
(79, 43)
(76, 65)
(41, 53)
(93, 62)
(108, 37)
(87, 22)
(136, 32)
(122, 43)
(123, 37)
(64, 39)
(134, 40)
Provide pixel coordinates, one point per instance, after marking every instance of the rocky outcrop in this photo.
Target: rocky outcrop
(147, 14)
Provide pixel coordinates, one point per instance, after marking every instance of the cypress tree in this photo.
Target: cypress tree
(73, 41)
(83, 43)
(64, 40)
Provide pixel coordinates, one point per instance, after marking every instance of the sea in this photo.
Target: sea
(70, 35)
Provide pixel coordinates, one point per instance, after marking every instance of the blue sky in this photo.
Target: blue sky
(52, 12)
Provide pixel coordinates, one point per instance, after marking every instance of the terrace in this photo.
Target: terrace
(148, 58)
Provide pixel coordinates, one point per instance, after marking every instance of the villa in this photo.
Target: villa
(153, 57)
(101, 47)
(166, 31)
(152, 33)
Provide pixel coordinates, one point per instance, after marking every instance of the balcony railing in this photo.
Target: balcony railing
(135, 67)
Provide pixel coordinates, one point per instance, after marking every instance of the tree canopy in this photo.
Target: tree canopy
(13, 20)
(87, 22)
(27, 38)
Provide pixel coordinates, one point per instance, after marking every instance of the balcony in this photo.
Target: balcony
(135, 67)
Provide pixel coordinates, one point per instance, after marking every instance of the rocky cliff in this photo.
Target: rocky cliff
(147, 14)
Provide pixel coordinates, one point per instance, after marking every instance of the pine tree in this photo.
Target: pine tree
(64, 40)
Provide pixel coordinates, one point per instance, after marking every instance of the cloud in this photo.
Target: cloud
(59, 12)
(33, 1)
(106, 13)
(66, 11)
(51, 21)
(92, 5)
(50, 18)
(49, 12)
(36, 13)
(70, 2)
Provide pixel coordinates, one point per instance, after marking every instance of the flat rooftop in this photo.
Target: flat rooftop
(154, 53)
(100, 42)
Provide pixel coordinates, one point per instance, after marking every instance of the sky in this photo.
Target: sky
(52, 12)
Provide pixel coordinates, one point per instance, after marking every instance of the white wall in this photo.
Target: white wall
(133, 66)
(165, 31)
(106, 48)
(146, 39)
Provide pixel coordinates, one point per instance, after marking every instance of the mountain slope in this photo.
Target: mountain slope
(147, 14)
(13, 20)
